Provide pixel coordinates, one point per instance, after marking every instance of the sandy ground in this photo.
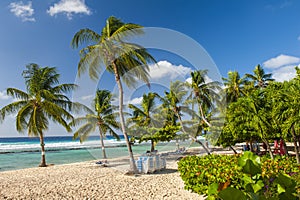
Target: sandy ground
(87, 180)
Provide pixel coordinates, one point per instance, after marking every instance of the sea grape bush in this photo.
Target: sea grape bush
(244, 176)
(199, 172)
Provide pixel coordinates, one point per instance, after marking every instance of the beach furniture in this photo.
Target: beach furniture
(139, 165)
(150, 163)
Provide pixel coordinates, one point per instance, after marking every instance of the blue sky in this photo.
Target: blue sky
(236, 34)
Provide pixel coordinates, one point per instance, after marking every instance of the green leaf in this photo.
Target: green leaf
(280, 189)
(247, 155)
(247, 179)
(213, 189)
(210, 198)
(231, 193)
(258, 186)
(285, 180)
(251, 168)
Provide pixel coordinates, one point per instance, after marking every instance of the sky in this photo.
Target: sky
(232, 34)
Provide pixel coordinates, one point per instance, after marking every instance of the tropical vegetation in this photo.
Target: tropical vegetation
(238, 177)
(104, 119)
(127, 61)
(44, 100)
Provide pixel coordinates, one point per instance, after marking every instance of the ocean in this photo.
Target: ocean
(24, 152)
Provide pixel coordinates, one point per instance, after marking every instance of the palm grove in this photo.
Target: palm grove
(258, 108)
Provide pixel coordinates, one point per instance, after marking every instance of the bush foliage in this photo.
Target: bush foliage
(245, 174)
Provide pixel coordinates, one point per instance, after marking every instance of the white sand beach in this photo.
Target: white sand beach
(87, 180)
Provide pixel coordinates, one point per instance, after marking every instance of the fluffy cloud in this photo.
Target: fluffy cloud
(281, 60)
(284, 73)
(136, 101)
(282, 67)
(69, 7)
(3, 96)
(23, 11)
(164, 69)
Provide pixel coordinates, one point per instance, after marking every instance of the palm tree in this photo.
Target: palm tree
(204, 93)
(125, 60)
(43, 100)
(143, 118)
(259, 77)
(104, 119)
(234, 86)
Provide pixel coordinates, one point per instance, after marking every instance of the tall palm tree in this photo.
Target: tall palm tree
(143, 118)
(44, 100)
(104, 119)
(234, 86)
(125, 60)
(260, 78)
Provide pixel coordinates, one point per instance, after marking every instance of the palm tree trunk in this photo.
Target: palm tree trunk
(234, 151)
(203, 145)
(202, 115)
(133, 167)
(102, 143)
(269, 148)
(295, 144)
(43, 158)
(251, 146)
(152, 146)
(198, 141)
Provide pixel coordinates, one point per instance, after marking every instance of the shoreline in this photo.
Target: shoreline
(189, 150)
(87, 180)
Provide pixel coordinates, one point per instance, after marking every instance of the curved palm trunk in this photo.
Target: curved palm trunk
(43, 155)
(202, 115)
(133, 167)
(102, 143)
(199, 142)
(234, 151)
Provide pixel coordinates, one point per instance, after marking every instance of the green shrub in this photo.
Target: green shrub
(216, 172)
(199, 172)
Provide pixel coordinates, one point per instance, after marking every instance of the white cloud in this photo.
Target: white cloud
(206, 79)
(281, 60)
(4, 96)
(164, 69)
(189, 80)
(88, 97)
(23, 11)
(136, 101)
(284, 73)
(69, 7)
(282, 67)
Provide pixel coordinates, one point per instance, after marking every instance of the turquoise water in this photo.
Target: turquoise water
(20, 153)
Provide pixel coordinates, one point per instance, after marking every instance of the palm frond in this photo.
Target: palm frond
(84, 36)
(16, 93)
(12, 108)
